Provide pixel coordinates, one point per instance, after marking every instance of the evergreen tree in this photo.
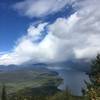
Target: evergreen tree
(93, 88)
(4, 95)
(95, 72)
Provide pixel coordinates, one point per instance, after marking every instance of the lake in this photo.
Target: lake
(72, 79)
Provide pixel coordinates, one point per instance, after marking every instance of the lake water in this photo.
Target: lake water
(73, 80)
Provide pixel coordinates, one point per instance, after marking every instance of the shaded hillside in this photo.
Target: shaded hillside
(28, 77)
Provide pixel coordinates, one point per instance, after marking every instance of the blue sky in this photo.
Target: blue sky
(48, 31)
(14, 26)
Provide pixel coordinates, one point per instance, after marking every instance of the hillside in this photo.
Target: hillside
(28, 77)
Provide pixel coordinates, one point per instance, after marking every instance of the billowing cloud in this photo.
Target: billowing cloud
(28, 49)
(40, 8)
(81, 29)
(75, 37)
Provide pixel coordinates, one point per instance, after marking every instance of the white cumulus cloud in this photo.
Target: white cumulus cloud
(75, 37)
(40, 8)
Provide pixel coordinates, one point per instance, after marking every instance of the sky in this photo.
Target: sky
(48, 31)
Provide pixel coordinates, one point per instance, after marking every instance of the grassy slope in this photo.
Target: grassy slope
(44, 93)
(21, 79)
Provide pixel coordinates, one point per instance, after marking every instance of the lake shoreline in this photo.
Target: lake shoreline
(73, 80)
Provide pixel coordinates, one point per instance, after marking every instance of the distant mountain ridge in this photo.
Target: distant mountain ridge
(4, 68)
(71, 65)
(74, 65)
